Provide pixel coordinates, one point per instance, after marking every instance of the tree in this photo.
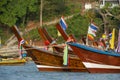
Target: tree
(108, 15)
(12, 11)
(53, 8)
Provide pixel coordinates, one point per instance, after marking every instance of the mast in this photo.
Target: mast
(41, 6)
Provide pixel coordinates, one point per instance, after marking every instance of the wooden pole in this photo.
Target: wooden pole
(0, 41)
(41, 6)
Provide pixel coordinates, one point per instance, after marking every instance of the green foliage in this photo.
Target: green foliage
(53, 32)
(4, 34)
(51, 8)
(12, 10)
(107, 5)
(21, 11)
(78, 26)
(115, 20)
(115, 10)
(33, 35)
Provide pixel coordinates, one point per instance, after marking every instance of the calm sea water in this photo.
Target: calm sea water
(30, 72)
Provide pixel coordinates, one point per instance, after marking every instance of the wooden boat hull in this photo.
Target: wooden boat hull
(47, 61)
(94, 61)
(42, 57)
(97, 61)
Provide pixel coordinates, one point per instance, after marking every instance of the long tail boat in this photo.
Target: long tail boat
(95, 60)
(50, 61)
(45, 36)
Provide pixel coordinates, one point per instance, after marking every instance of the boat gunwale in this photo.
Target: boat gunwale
(48, 52)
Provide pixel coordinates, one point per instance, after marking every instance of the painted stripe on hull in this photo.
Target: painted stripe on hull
(41, 66)
(103, 70)
(63, 69)
(95, 65)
